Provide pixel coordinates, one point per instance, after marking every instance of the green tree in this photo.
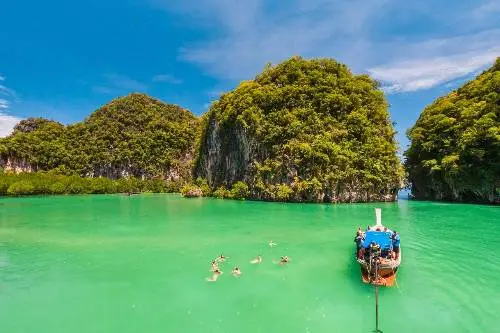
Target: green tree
(455, 144)
(222, 193)
(239, 190)
(21, 187)
(58, 188)
(313, 120)
(135, 135)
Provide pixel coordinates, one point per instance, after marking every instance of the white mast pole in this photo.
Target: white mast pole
(378, 214)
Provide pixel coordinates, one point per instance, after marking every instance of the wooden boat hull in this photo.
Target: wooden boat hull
(386, 272)
(385, 278)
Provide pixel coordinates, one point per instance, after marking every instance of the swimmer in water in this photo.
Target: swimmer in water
(221, 258)
(236, 272)
(215, 276)
(272, 244)
(257, 260)
(214, 266)
(283, 261)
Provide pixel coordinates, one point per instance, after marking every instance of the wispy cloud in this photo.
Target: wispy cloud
(167, 78)
(117, 84)
(6, 94)
(124, 82)
(248, 34)
(4, 91)
(4, 104)
(489, 8)
(255, 32)
(216, 93)
(438, 62)
(103, 90)
(7, 123)
(420, 74)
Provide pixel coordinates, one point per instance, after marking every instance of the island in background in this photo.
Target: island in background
(301, 131)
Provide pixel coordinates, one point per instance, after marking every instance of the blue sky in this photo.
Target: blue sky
(63, 59)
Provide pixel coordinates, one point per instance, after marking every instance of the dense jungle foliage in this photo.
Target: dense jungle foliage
(134, 135)
(455, 144)
(303, 130)
(52, 183)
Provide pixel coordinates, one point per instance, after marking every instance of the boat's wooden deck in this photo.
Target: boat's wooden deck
(386, 281)
(386, 271)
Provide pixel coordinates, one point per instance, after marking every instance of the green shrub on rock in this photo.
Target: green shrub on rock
(22, 187)
(239, 191)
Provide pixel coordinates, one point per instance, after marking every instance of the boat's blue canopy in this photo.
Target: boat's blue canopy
(382, 238)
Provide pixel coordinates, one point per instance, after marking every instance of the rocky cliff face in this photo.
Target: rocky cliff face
(231, 155)
(226, 155)
(303, 130)
(10, 164)
(176, 172)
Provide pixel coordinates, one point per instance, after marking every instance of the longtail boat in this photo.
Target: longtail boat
(378, 253)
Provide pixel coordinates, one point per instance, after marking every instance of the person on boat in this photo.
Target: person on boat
(359, 241)
(361, 253)
(257, 260)
(395, 243)
(368, 228)
(236, 272)
(375, 249)
(391, 255)
(215, 276)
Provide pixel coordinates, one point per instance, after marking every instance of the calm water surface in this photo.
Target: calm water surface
(138, 264)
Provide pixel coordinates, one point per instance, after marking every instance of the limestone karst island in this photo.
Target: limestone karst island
(218, 166)
(301, 131)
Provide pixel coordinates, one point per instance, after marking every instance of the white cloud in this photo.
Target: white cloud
(409, 46)
(488, 8)
(7, 123)
(4, 91)
(167, 78)
(252, 33)
(6, 95)
(4, 104)
(438, 62)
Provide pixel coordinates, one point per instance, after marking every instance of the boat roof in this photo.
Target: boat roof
(382, 238)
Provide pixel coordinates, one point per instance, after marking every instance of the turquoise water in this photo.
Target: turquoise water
(138, 264)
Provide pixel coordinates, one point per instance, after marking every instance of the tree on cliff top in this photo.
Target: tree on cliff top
(310, 125)
(455, 144)
(136, 133)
